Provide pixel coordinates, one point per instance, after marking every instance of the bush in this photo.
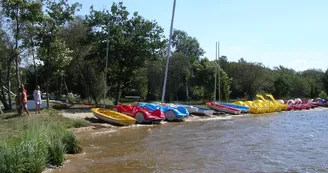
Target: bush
(323, 95)
(55, 152)
(23, 155)
(36, 144)
(71, 143)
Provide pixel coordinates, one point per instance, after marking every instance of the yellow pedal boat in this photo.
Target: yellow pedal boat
(272, 106)
(253, 108)
(113, 117)
(283, 107)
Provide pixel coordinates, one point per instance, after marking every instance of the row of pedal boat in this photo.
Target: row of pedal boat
(157, 112)
(148, 113)
(262, 105)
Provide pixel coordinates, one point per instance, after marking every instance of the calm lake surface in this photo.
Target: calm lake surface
(280, 142)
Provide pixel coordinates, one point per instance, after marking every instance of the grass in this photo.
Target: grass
(30, 144)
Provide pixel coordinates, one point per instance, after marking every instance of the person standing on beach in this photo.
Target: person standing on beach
(24, 100)
(37, 99)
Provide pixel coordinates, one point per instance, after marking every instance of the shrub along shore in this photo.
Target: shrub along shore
(30, 144)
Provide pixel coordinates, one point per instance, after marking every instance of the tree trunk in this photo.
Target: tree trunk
(65, 85)
(118, 93)
(187, 91)
(16, 53)
(34, 63)
(8, 85)
(3, 96)
(60, 86)
(3, 99)
(48, 76)
(33, 56)
(17, 69)
(96, 101)
(4, 102)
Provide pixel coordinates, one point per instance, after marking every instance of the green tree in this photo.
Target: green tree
(282, 86)
(203, 80)
(155, 75)
(301, 87)
(53, 51)
(323, 94)
(225, 83)
(325, 80)
(249, 78)
(91, 78)
(19, 12)
(29, 38)
(132, 41)
(5, 49)
(223, 62)
(76, 37)
(178, 74)
(139, 84)
(189, 47)
(314, 78)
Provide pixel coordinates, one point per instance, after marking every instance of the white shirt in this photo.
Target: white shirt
(37, 95)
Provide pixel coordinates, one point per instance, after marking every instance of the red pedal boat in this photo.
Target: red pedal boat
(141, 115)
(222, 108)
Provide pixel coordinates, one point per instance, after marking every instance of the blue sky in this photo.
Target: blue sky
(292, 33)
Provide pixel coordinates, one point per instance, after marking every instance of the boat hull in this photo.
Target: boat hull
(142, 115)
(243, 109)
(203, 111)
(221, 108)
(106, 119)
(125, 119)
(176, 113)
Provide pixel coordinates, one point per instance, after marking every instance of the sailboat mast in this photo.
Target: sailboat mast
(215, 74)
(168, 52)
(219, 81)
(106, 68)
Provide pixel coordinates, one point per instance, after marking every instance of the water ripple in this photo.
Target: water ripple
(282, 142)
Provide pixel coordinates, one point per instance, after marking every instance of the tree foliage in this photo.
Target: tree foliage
(132, 40)
(53, 51)
(19, 13)
(325, 80)
(186, 45)
(67, 53)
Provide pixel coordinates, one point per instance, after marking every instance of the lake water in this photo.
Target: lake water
(280, 142)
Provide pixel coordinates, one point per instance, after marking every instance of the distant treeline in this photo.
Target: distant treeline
(66, 53)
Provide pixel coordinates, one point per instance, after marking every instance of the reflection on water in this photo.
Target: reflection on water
(285, 142)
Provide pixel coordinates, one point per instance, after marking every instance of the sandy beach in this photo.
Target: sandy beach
(86, 114)
(77, 113)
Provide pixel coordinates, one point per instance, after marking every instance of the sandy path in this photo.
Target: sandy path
(77, 113)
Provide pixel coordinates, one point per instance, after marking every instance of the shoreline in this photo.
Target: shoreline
(98, 127)
(87, 115)
(96, 124)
